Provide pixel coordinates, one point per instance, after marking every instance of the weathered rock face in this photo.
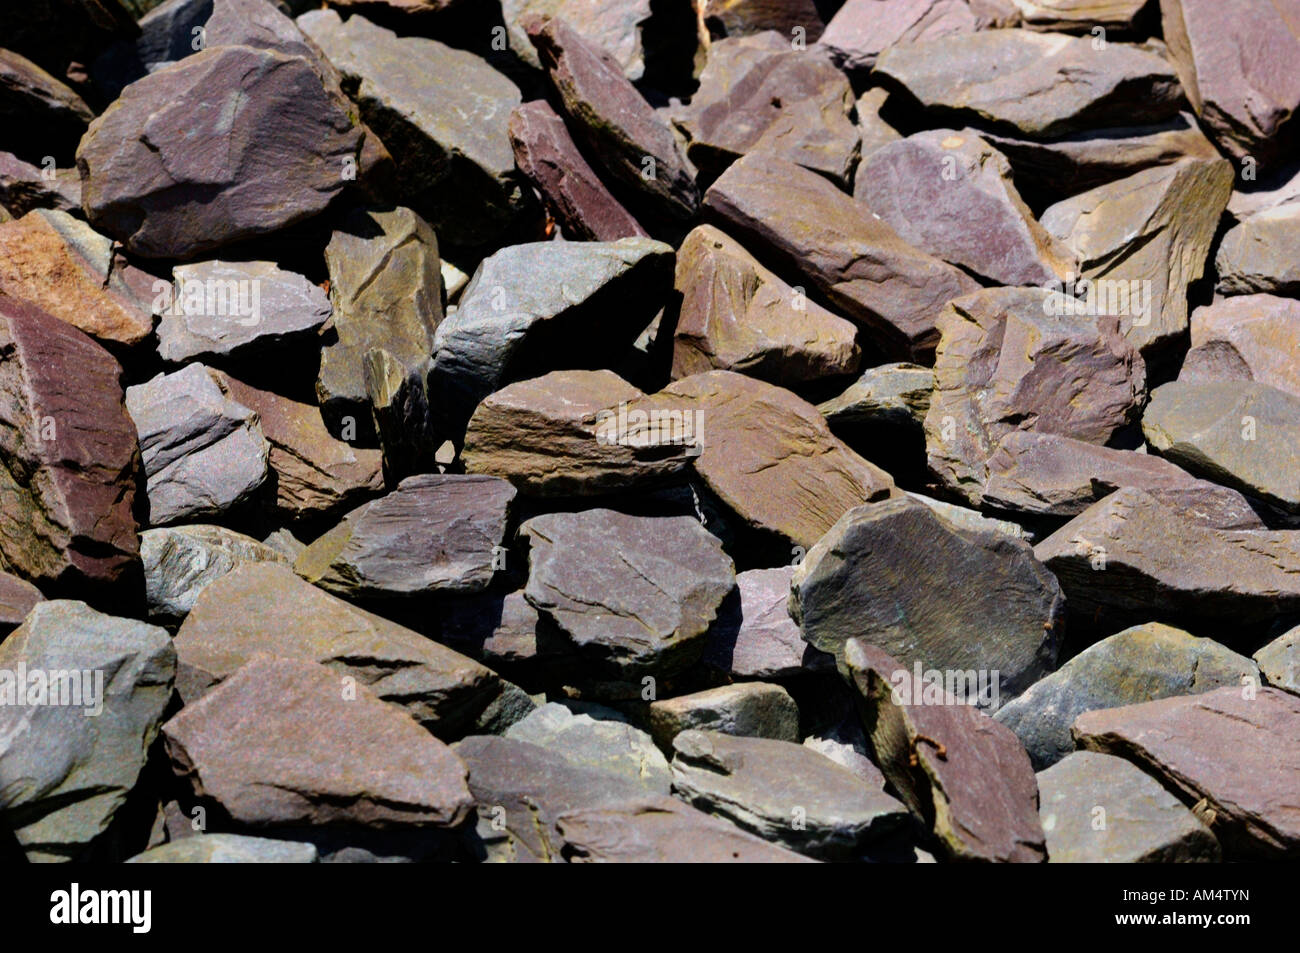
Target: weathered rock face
(616, 27)
(1259, 254)
(445, 111)
(1079, 15)
(528, 305)
(1042, 85)
(608, 746)
(1113, 562)
(783, 792)
(574, 193)
(961, 773)
(264, 607)
(1018, 359)
(897, 394)
(1238, 433)
(24, 187)
(875, 132)
(17, 598)
(75, 740)
(561, 435)
(228, 849)
(231, 311)
(1238, 71)
(758, 95)
(771, 458)
(634, 594)
(70, 458)
(1143, 240)
(242, 747)
(433, 533)
(860, 264)
(749, 709)
(60, 264)
(1248, 337)
(204, 453)
(950, 194)
(180, 561)
(758, 639)
(792, 18)
(1141, 821)
(862, 29)
(171, 173)
(54, 116)
(905, 580)
(1279, 661)
(1234, 757)
(738, 316)
(1137, 665)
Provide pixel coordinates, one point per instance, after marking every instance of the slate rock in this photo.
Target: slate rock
(281, 742)
(180, 561)
(171, 173)
(228, 849)
(1079, 15)
(964, 518)
(1234, 758)
(1141, 822)
(17, 598)
(1021, 359)
(499, 630)
(736, 315)
(433, 534)
(24, 187)
(1258, 254)
(586, 742)
(783, 792)
(619, 28)
(52, 116)
(71, 459)
(1254, 335)
(863, 29)
(896, 394)
(931, 594)
(749, 709)
(759, 640)
(634, 594)
(76, 740)
(204, 453)
(874, 130)
(960, 772)
(1279, 661)
(1137, 665)
(574, 194)
(806, 226)
(792, 18)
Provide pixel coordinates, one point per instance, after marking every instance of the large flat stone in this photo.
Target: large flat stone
(180, 561)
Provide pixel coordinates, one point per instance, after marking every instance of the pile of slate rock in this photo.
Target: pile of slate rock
(616, 430)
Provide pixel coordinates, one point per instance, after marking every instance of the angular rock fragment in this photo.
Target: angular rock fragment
(204, 453)
(75, 733)
(607, 746)
(1235, 758)
(180, 561)
(897, 394)
(1079, 15)
(1246, 337)
(1258, 255)
(228, 849)
(433, 533)
(792, 18)
(1140, 822)
(749, 709)
(933, 595)
(964, 775)
(860, 264)
(24, 187)
(863, 29)
(619, 28)
(17, 598)
(500, 631)
(875, 132)
(1279, 661)
(1137, 665)
(760, 640)
(783, 792)
(70, 459)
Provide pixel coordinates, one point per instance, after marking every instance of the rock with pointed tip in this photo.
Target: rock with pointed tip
(1279, 661)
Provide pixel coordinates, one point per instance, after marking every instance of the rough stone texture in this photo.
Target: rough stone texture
(1270, 190)
(315, 475)
(962, 518)
(897, 394)
(444, 112)
(1114, 562)
(783, 792)
(1236, 759)
(171, 173)
(1137, 665)
(960, 772)
(267, 309)
(634, 594)
(67, 766)
(573, 192)
(433, 533)
(1042, 85)
(607, 746)
(746, 17)
(1010, 359)
(1238, 71)
(860, 264)
(1248, 337)
(875, 132)
(52, 116)
(204, 453)
(17, 598)
(748, 709)
(771, 458)
(282, 742)
(1241, 434)
(180, 561)
(1140, 822)
(1279, 661)
(950, 194)
(228, 849)
(1079, 15)
(758, 95)
(863, 29)
(903, 579)
(757, 638)
(500, 631)
(1259, 254)
(738, 316)
(616, 27)
(264, 607)
(560, 435)
(70, 458)
(24, 187)
(527, 301)
(1154, 229)
(635, 146)
(58, 263)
